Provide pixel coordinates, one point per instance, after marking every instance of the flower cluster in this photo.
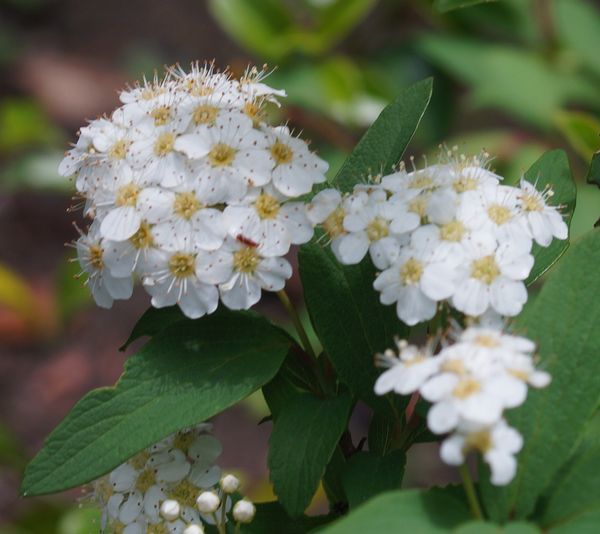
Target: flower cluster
(469, 384)
(191, 191)
(447, 232)
(172, 487)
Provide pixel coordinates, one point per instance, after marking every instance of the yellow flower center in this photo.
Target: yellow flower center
(485, 269)
(182, 265)
(334, 224)
(519, 374)
(199, 88)
(184, 440)
(486, 341)
(453, 366)
(143, 237)
(164, 144)
(377, 229)
(246, 260)
(161, 115)
(531, 202)
(205, 114)
(254, 111)
(466, 387)
(421, 181)
(149, 93)
(267, 206)
(145, 480)
(185, 493)
(186, 204)
(127, 195)
(414, 361)
(96, 257)
(103, 491)
(419, 206)
(281, 153)
(158, 528)
(119, 149)
(479, 441)
(138, 462)
(221, 155)
(411, 272)
(499, 214)
(453, 231)
(464, 183)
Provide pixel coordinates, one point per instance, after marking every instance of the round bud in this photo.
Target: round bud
(170, 509)
(243, 511)
(208, 502)
(194, 528)
(230, 483)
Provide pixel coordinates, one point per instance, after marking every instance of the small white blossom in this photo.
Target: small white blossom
(244, 511)
(208, 502)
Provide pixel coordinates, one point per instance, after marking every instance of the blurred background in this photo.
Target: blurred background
(513, 77)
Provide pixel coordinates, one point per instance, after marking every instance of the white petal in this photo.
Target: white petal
(507, 297)
(352, 248)
(414, 306)
(451, 450)
(442, 417)
(120, 223)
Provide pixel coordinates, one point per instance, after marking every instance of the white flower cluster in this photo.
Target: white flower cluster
(173, 487)
(469, 384)
(191, 191)
(447, 232)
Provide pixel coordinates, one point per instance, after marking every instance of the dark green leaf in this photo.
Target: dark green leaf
(271, 518)
(593, 176)
(449, 5)
(348, 318)
(552, 170)
(184, 375)
(410, 511)
(384, 142)
(483, 527)
(368, 474)
(381, 432)
(332, 480)
(563, 320)
(305, 435)
(153, 321)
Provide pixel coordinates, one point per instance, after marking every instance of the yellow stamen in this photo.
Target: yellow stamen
(186, 204)
(221, 155)
(246, 260)
(453, 231)
(499, 214)
(205, 114)
(161, 115)
(164, 144)
(377, 229)
(334, 224)
(182, 265)
(485, 269)
(127, 195)
(466, 387)
(411, 272)
(96, 257)
(267, 206)
(143, 237)
(119, 149)
(281, 153)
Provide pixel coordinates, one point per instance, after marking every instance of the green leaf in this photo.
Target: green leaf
(581, 130)
(153, 321)
(71, 293)
(552, 170)
(189, 372)
(348, 318)
(593, 176)
(381, 432)
(305, 435)
(484, 527)
(404, 511)
(563, 320)
(449, 5)
(382, 146)
(271, 517)
(575, 492)
(332, 481)
(368, 474)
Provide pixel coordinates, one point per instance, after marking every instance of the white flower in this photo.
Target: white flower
(497, 444)
(243, 511)
(242, 272)
(208, 502)
(296, 169)
(470, 177)
(491, 275)
(170, 509)
(419, 278)
(543, 222)
(229, 483)
(408, 371)
(194, 528)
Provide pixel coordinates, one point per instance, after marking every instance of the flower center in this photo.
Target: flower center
(158, 528)
(453, 231)
(96, 257)
(149, 93)
(118, 150)
(164, 144)
(138, 462)
(246, 260)
(117, 527)
(411, 271)
(453, 366)
(466, 387)
(186, 204)
(254, 111)
(487, 341)
(184, 440)
(499, 214)
(185, 493)
(281, 153)
(480, 441)
(530, 202)
(182, 265)
(146, 479)
(422, 181)
(377, 229)
(205, 114)
(519, 374)
(267, 206)
(103, 491)
(464, 183)
(221, 155)
(143, 237)
(414, 361)
(485, 269)
(419, 206)
(161, 115)
(334, 224)
(127, 195)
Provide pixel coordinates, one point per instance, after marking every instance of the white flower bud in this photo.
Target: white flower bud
(208, 502)
(230, 483)
(170, 509)
(194, 528)
(243, 511)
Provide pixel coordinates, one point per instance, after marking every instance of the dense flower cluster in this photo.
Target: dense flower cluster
(447, 232)
(173, 487)
(191, 192)
(469, 384)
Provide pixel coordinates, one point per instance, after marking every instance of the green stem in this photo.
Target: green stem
(470, 492)
(287, 303)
